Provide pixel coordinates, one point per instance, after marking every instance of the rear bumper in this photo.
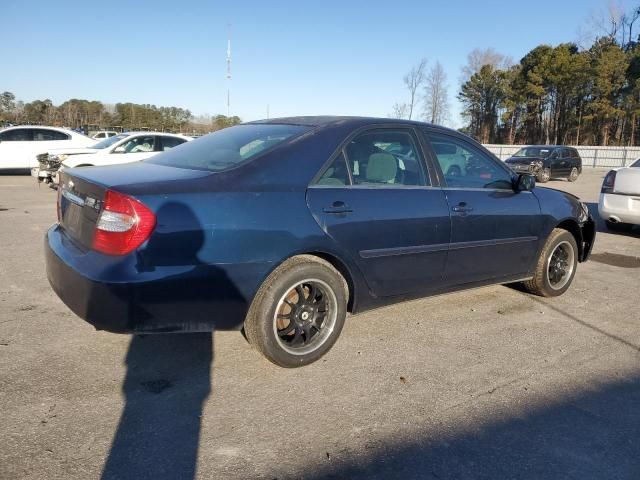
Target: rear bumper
(619, 208)
(118, 295)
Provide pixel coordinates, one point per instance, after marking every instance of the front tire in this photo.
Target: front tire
(573, 175)
(556, 265)
(298, 312)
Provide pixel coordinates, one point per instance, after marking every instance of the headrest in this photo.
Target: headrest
(382, 168)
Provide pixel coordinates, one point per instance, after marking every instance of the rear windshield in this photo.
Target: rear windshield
(227, 148)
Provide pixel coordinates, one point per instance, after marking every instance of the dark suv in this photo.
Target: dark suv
(547, 162)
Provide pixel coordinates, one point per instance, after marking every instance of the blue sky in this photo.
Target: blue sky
(299, 57)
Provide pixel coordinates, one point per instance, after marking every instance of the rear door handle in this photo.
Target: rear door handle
(462, 207)
(338, 207)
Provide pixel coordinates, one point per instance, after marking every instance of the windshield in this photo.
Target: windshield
(636, 164)
(107, 142)
(533, 152)
(227, 148)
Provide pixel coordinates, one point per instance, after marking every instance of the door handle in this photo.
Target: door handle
(462, 207)
(338, 207)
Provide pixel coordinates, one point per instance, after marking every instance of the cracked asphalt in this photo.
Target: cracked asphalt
(487, 383)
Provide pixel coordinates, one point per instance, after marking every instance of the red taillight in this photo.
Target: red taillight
(124, 224)
(609, 182)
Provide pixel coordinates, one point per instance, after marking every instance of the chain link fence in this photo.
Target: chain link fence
(591, 156)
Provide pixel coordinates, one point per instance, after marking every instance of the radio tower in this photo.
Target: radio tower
(228, 70)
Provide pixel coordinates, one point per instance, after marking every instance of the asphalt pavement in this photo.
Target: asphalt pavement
(488, 383)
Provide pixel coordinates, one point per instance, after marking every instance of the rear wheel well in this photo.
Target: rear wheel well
(573, 228)
(344, 271)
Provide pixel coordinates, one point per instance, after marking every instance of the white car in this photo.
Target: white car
(122, 148)
(102, 134)
(619, 203)
(20, 145)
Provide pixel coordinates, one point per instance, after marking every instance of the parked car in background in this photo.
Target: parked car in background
(282, 226)
(101, 135)
(121, 148)
(19, 146)
(547, 162)
(619, 203)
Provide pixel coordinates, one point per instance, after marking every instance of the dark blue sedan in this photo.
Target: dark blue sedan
(283, 226)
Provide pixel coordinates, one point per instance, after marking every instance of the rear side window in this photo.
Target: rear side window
(336, 174)
(169, 142)
(41, 135)
(385, 157)
(17, 135)
(229, 147)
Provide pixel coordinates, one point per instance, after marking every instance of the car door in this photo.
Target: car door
(493, 228)
(556, 163)
(14, 148)
(378, 202)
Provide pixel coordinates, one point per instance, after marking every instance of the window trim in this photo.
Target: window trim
(428, 175)
(429, 131)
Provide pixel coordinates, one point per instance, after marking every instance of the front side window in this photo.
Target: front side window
(42, 135)
(385, 157)
(141, 144)
(229, 147)
(465, 166)
(16, 135)
(636, 164)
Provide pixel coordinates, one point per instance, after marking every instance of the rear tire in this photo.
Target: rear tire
(298, 312)
(543, 175)
(556, 265)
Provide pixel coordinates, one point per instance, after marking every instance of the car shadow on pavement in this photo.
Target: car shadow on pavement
(165, 387)
(590, 435)
(601, 226)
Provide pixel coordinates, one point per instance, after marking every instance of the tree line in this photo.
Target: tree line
(79, 113)
(586, 94)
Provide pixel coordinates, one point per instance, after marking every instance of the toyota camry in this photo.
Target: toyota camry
(283, 227)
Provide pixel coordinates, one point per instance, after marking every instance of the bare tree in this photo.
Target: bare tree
(478, 58)
(399, 110)
(436, 102)
(611, 22)
(413, 80)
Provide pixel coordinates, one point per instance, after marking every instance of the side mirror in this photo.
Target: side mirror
(119, 150)
(525, 183)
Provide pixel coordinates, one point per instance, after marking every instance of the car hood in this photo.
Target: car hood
(524, 160)
(72, 151)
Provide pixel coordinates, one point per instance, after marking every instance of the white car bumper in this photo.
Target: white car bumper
(619, 208)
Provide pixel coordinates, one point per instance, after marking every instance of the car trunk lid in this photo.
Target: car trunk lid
(82, 192)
